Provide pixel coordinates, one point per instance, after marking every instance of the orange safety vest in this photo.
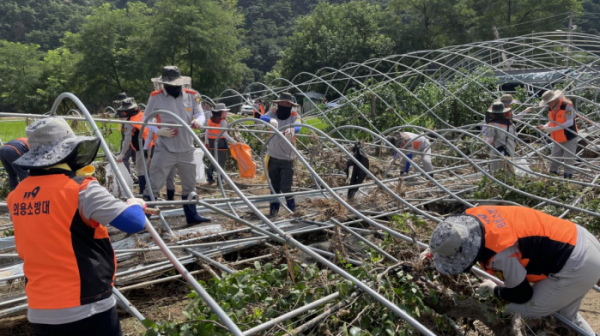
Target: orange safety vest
(558, 117)
(68, 259)
(545, 242)
(262, 109)
(212, 136)
(136, 130)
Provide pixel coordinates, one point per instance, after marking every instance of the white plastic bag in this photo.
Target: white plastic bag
(112, 184)
(199, 159)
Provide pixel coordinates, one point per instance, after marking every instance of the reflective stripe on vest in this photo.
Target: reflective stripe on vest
(138, 127)
(68, 260)
(559, 117)
(24, 140)
(213, 133)
(545, 242)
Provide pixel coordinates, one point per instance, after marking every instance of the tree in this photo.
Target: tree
(333, 35)
(111, 44)
(202, 37)
(20, 66)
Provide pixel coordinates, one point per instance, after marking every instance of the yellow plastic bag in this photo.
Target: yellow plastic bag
(243, 154)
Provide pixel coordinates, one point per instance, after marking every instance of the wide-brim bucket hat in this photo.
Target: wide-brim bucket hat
(455, 244)
(220, 107)
(549, 96)
(172, 76)
(286, 97)
(498, 107)
(508, 99)
(51, 140)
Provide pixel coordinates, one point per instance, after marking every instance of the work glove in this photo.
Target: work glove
(528, 110)
(274, 122)
(392, 161)
(425, 255)
(134, 201)
(233, 142)
(166, 132)
(487, 284)
(197, 124)
(120, 158)
(289, 134)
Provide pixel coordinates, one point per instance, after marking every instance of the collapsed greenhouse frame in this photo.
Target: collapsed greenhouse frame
(574, 55)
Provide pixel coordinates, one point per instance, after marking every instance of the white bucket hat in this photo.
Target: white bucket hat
(549, 96)
(51, 140)
(172, 76)
(455, 244)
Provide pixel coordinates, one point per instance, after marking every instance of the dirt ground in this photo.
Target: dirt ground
(590, 310)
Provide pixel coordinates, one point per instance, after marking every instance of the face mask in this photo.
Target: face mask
(283, 112)
(173, 91)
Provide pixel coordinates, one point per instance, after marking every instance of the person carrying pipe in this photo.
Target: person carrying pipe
(9, 153)
(411, 144)
(130, 111)
(281, 156)
(149, 153)
(563, 130)
(174, 148)
(218, 119)
(59, 215)
(522, 246)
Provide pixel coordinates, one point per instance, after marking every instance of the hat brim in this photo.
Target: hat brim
(555, 95)
(506, 109)
(291, 102)
(461, 261)
(221, 110)
(45, 156)
(183, 80)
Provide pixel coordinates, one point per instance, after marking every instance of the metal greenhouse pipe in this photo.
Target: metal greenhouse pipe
(155, 236)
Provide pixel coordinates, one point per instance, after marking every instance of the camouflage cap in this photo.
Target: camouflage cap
(455, 244)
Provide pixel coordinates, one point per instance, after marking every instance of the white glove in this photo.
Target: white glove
(289, 134)
(197, 124)
(134, 201)
(274, 122)
(166, 132)
(392, 161)
(233, 142)
(425, 255)
(528, 110)
(489, 284)
(120, 158)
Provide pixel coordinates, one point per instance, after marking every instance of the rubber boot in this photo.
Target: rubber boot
(170, 194)
(568, 176)
(274, 209)
(191, 214)
(553, 172)
(142, 183)
(291, 204)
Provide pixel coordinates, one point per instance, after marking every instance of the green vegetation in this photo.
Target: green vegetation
(98, 48)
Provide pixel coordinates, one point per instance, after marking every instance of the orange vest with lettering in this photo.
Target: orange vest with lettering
(545, 242)
(68, 260)
(559, 117)
(136, 130)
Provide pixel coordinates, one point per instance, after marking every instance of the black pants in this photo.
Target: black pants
(102, 324)
(221, 158)
(8, 155)
(281, 173)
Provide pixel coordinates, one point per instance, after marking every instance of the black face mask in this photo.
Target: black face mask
(283, 112)
(173, 91)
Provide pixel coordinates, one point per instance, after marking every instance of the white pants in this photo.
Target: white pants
(563, 292)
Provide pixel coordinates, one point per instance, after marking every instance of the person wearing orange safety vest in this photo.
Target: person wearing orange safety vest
(522, 246)
(59, 215)
(563, 130)
(412, 144)
(9, 153)
(217, 120)
(175, 147)
(259, 109)
(130, 111)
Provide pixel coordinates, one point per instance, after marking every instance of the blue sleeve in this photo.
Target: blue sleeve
(408, 162)
(395, 154)
(131, 220)
(265, 118)
(297, 129)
